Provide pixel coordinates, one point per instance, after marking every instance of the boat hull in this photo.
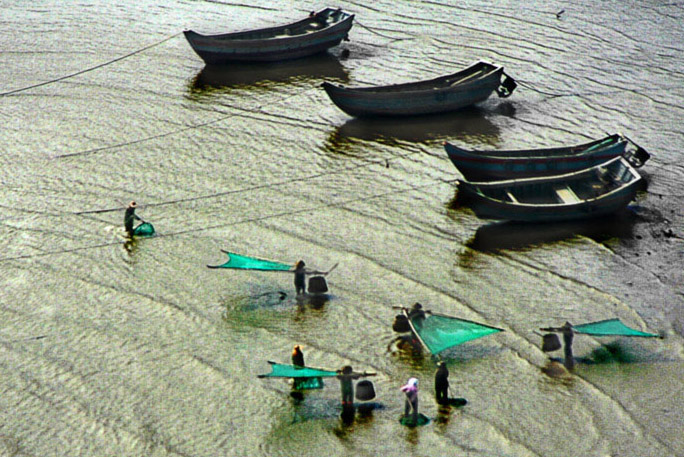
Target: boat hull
(275, 46)
(415, 98)
(501, 165)
(593, 192)
(487, 209)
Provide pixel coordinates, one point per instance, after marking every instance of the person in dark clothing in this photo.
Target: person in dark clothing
(568, 335)
(442, 384)
(300, 272)
(130, 217)
(302, 383)
(300, 277)
(416, 312)
(346, 376)
(297, 356)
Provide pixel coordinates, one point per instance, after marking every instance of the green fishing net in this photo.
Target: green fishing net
(251, 263)
(144, 229)
(440, 332)
(308, 383)
(610, 327)
(292, 371)
(410, 421)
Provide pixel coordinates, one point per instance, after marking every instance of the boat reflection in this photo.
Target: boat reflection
(244, 75)
(469, 125)
(514, 235)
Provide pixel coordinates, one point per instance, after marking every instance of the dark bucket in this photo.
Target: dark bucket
(551, 342)
(365, 391)
(317, 285)
(400, 324)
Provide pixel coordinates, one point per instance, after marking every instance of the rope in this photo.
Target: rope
(89, 69)
(585, 94)
(252, 188)
(258, 109)
(243, 221)
(305, 210)
(371, 30)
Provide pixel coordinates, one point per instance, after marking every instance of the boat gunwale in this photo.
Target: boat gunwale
(421, 87)
(555, 153)
(473, 189)
(584, 171)
(234, 37)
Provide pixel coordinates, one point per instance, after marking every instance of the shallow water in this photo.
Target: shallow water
(114, 348)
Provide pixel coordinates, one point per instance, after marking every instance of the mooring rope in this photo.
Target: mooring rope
(238, 222)
(371, 30)
(62, 78)
(257, 109)
(551, 95)
(341, 170)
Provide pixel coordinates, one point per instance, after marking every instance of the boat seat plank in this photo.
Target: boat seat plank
(466, 78)
(566, 195)
(511, 197)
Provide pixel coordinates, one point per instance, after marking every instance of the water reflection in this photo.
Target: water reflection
(246, 75)
(469, 125)
(315, 301)
(516, 235)
(622, 351)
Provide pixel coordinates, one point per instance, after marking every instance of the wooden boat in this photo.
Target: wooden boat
(526, 163)
(317, 33)
(595, 191)
(446, 93)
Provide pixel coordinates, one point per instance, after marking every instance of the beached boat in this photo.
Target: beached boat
(314, 34)
(595, 191)
(493, 165)
(446, 93)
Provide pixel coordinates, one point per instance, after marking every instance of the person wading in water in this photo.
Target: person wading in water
(130, 217)
(442, 384)
(300, 273)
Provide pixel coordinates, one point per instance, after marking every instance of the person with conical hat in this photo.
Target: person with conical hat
(411, 403)
(297, 356)
(130, 217)
(442, 383)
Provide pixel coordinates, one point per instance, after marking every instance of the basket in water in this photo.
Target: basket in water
(317, 285)
(550, 342)
(365, 390)
(401, 324)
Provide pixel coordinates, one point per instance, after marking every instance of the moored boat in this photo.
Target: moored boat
(440, 95)
(312, 35)
(591, 192)
(493, 165)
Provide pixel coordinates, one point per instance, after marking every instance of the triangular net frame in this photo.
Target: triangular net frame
(610, 327)
(244, 262)
(439, 332)
(281, 370)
